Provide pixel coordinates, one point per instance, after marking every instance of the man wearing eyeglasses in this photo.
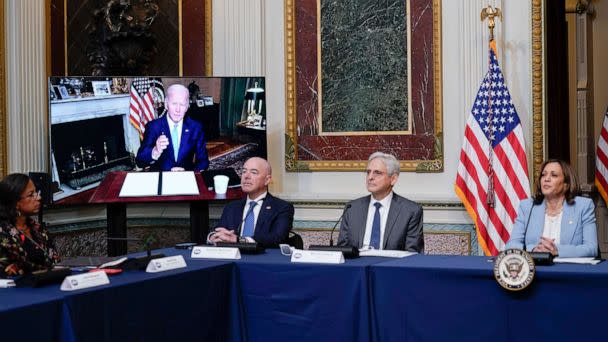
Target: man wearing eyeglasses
(382, 220)
(260, 217)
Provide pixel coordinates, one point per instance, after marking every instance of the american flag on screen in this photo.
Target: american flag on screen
(492, 174)
(145, 93)
(601, 160)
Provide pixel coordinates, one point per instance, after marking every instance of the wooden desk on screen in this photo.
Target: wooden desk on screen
(107, 193)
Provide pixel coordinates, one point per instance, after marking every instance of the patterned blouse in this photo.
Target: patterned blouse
(20, 254)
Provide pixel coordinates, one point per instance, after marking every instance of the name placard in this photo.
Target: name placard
(6, 283)
(202, 252)
(320, 257)
(166, 264)
(84, 281)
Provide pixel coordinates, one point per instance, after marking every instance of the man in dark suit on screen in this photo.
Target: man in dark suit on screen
(260, 217)
(383, 220)
(172, 142)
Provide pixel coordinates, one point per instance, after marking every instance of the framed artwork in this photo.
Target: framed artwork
(101, 88)
(135, 38)
(61, 91)
(363, 77)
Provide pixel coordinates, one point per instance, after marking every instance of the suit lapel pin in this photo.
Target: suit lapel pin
(186, 130)
(268, 208)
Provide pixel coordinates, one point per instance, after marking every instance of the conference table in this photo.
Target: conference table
(441, 298)
(266, 297)
(136, 306)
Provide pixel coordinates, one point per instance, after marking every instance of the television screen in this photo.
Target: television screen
(103, 124)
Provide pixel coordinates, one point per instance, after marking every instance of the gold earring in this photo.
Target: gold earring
(18, 213)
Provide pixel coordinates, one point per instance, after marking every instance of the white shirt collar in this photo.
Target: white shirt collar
(385, 201)
(172, 123)
(257, 199)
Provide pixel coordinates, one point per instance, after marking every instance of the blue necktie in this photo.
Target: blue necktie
(374, 241)
(175, 141)
(249, 220)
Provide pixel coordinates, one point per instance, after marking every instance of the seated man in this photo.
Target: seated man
(260, 217)
(173, 142)
(383, 220)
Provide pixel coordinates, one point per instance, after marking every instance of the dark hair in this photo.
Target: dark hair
(570, 180)
(11, 188)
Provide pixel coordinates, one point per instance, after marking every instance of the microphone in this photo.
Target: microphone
(331, 234)
(138, 263)
(348, 251)
(244, 247)
(540, 258)
(240, 226)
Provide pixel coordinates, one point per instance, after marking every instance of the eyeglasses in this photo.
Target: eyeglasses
(33, 195)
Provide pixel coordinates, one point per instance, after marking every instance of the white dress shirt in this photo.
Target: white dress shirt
(553, 227)
(371, 211)
(256, 212)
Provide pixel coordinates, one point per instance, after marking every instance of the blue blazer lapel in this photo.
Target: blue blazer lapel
(265, 212)
(166, 130)
(183, 142)
(568, 224)
(238, 214)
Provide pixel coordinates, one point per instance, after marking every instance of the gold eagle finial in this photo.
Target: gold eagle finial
(491, 13)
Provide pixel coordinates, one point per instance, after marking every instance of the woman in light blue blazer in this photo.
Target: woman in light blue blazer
(555, 220)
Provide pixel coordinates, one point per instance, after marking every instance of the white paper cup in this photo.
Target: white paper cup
(220, 184)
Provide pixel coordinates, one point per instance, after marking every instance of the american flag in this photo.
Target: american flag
(601, 160)
(145, 93)
(492, 174)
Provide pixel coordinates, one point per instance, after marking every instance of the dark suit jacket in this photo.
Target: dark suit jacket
(274, 221)
(192, 154)
(403, 229)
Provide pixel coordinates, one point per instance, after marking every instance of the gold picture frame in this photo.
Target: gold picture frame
(298, 156)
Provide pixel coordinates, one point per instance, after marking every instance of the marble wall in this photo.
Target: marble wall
(364, 66)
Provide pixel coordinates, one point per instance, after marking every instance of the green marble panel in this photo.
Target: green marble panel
(364, 65)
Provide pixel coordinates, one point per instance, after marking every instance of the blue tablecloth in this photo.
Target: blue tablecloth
(266, 297)
(175, 305)
(440, 298)
(286, 301)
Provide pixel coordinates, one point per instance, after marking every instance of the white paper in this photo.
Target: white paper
(179, 183)
(319, 257)
(113, 263)
(589, 261)
(201, 252)
(166, 264)
(4, 283)
(387, 253)
(84, 280)
(138, 184)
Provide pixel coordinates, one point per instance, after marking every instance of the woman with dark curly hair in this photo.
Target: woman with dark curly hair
(24, 244)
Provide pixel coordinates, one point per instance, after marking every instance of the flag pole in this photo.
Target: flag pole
(491, 13)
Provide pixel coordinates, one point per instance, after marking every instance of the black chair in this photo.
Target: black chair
(295, 240)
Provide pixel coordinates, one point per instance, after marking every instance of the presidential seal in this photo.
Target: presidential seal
(514, 269)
